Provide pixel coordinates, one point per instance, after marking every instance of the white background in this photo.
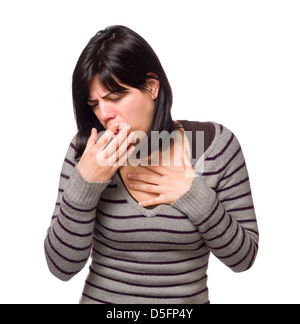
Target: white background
(233, 62)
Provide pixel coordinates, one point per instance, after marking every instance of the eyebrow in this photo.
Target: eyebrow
(110, 93)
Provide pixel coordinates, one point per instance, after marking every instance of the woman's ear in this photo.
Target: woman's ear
(152, 83)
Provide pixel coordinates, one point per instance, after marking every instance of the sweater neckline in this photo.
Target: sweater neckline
(144, 211)
(160, 208)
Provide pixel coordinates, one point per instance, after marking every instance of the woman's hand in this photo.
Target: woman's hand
(169, 183)
(100, 161)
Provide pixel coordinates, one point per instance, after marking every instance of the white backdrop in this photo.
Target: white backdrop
(233, 62)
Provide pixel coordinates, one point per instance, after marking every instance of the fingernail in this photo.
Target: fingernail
(129, 176)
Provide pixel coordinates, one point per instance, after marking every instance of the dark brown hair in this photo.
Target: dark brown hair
(118, 53)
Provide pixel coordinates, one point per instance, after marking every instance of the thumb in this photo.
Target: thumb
(91, 141)
(189, 170)
(185, 159)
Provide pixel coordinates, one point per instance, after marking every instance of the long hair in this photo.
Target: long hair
(118, 53)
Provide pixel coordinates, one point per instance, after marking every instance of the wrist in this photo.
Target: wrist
(80, 192)
(91, 177)
(198, 201)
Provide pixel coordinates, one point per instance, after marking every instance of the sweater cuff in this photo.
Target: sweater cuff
(81, 193)
(197, 202)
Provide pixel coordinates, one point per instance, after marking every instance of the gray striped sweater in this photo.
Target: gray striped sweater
(159, 255)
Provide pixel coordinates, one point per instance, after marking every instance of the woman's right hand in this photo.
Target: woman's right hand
(100, 162)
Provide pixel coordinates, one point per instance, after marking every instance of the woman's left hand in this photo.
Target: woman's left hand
(169, 183)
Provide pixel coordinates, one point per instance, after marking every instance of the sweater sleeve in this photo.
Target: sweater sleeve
(69, 239)
(224, 215)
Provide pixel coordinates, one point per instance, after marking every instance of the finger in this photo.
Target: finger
(114, 151)
(119, 156)
(145, 187)
(151, 202)
(123, 160)
(189, 170)
(118, 141)
(108, 135)
(91, 141)
(129, 139)
(156, 169)
(145, 177)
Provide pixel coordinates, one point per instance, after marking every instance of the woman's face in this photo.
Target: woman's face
(133, 107)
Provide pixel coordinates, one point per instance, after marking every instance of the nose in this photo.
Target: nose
(106, 112)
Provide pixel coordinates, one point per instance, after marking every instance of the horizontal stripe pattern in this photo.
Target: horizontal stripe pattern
(158, 259)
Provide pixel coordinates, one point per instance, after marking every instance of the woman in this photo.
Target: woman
(149, 228)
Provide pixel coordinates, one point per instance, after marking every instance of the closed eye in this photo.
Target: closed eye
(93, 105)
(90, 103)
(114, 99)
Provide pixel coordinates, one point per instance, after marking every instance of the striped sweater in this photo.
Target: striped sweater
(159, 255)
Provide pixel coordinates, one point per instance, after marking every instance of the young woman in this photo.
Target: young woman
(149, 227)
